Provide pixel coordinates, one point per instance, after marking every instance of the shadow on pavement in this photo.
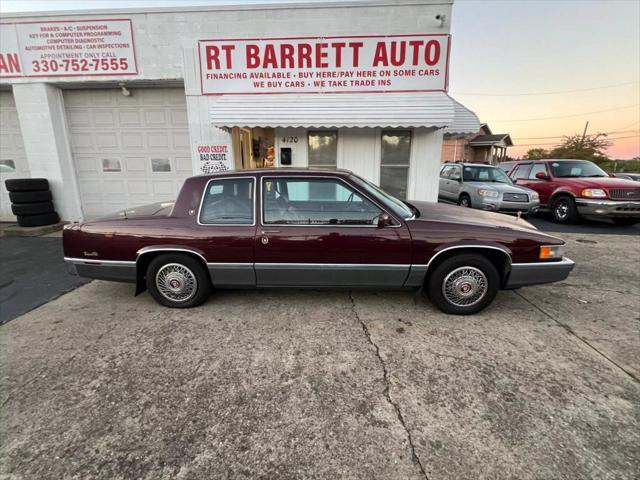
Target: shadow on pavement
(543, 222)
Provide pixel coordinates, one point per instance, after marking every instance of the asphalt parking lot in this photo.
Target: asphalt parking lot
(331, 384)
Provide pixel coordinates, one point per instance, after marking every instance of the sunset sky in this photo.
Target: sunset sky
(507, 55)
(525, 47)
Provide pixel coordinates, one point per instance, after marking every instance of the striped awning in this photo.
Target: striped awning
(326, 110)
(464, 120)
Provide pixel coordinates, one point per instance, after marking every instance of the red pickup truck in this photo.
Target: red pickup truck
(571, 189)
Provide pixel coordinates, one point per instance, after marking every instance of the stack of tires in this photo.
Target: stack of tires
(31, 201)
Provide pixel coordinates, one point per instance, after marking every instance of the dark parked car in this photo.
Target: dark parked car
(574, 188)
(628, 176)
(312, 228)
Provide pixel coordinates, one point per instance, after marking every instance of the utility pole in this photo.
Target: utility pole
(584, 134)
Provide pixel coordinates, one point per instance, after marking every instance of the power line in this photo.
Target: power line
(548, 93)
(562, 136)
(556, 143)
(565, 116)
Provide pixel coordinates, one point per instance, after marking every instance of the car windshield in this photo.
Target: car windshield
(578, 168)
(484, 174)
(399, 207)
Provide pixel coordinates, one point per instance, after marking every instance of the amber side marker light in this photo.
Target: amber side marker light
(551, 252)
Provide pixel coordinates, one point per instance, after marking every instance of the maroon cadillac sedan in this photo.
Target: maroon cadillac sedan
(311, 228)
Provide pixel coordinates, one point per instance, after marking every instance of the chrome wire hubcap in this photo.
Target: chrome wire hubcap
(561, 210)
(465, 286)
(176, 282)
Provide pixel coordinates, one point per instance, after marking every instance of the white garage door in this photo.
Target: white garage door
(128, 151)
(13, 161)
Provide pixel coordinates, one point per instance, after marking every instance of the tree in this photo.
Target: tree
(536, 154)
(587, 147)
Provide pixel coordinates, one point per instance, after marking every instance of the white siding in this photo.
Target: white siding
(11, 148)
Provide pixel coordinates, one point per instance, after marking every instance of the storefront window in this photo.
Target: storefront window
(394, 164)
(323, 149)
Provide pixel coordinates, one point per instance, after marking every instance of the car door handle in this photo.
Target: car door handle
(265, 232)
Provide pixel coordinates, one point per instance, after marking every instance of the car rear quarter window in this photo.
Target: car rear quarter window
(228, 201)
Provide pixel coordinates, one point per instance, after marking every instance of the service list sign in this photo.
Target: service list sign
(67, 48)
(390, 63)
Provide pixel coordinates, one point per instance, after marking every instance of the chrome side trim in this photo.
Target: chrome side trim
(232, 274)
(146, 250)
(331, 275)
(372, 266)
(565, 261)
(204, 193)
(490, 247)
(416, 276)
(89, 261)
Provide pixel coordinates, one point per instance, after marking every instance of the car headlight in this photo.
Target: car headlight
(551, 252)
(483, 192)
(535, 196)
(593, 193)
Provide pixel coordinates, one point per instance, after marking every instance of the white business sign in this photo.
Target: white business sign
(59, 48)
(386, 63)
(213, 157)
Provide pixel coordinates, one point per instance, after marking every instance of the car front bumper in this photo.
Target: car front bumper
(608, 208)
(498, 205)
(523, 274)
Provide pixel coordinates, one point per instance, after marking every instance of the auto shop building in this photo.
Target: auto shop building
(117, 107)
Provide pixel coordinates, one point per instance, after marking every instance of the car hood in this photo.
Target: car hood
(500, 187)
(440, 212)
(599, 182)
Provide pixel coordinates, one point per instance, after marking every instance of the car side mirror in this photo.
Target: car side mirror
(612, 175)
(456, 179)
(542, 176)
(384, 220)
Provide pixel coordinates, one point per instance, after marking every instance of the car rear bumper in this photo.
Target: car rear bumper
(608, 208)
(117, 271)
(523, 274)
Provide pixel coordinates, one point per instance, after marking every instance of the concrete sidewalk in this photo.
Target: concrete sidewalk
(331, 384)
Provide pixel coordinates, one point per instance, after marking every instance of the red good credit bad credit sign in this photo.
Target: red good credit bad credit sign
(385, 63)
(67, 48)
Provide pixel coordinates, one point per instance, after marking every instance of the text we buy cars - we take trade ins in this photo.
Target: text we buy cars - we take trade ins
(117, 107)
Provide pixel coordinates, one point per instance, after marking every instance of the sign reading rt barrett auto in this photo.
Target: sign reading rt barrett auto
(391, 63)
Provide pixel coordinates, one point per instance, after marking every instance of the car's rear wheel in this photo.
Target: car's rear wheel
(464, 201)
(463, 284)
(564, 210)
(178, 281)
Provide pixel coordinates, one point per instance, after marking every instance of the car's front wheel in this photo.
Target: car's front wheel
(178, 281)
(564, 210)
(464, 201)
(463, 284)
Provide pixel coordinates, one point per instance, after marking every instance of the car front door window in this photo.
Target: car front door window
(521, 172)
(319, 202)
(537, 168)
